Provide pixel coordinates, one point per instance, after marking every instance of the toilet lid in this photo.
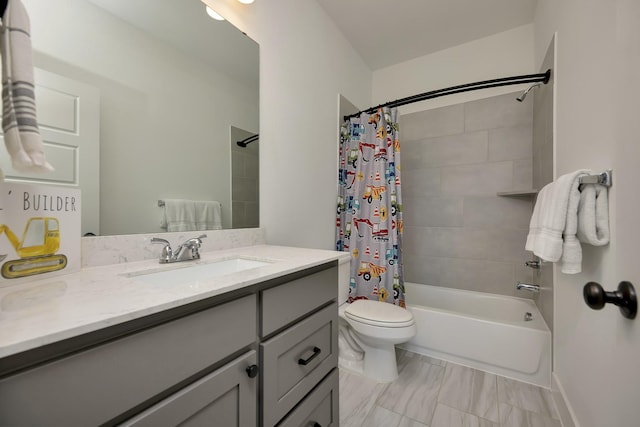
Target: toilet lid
(379, 314)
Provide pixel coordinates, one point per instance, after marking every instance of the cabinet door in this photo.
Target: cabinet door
(226, 398)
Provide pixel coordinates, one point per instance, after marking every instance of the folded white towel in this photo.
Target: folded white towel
(556, 207)
(571, 261)
(179, 215)
(19, 122)
(208, 215)
(593, 215)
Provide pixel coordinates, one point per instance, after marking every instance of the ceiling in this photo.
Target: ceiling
(387, 32)
(185, 25)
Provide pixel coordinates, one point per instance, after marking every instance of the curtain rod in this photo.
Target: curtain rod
(485, 84)
(248, 140)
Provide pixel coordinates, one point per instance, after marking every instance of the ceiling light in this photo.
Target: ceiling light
(212, 13)
(246, 1)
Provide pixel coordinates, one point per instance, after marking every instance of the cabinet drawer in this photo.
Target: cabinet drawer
(319, 408)
(283, 304)
(96, 385)
(295, 360)
(226, 397)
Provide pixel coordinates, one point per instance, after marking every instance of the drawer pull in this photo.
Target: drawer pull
(316, 352)
(252, 371)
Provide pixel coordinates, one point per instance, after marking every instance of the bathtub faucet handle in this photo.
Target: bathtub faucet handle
(533, 264)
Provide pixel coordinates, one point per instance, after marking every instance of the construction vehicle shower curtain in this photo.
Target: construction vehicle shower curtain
(369, 220)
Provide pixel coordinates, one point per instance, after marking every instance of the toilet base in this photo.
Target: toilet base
(380, 363)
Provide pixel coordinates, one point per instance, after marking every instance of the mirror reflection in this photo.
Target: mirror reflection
(141, 101)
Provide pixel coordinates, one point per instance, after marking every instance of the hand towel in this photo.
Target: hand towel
(19, 123)
(556, 204)
(571, 260)
(593, 215)
(179, 215)
(208, 215)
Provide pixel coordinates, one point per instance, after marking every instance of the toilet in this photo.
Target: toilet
(368, 333)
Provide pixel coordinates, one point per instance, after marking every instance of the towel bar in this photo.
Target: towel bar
(605, 178)
(161, 203)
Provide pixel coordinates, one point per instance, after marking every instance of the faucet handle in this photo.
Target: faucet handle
(159, 240)
(195, 241)
(167, 252)
(535, 264)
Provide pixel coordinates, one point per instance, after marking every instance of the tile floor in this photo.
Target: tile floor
(434, 393)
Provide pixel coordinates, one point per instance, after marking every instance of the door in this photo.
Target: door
(625, 379)
(69, 120)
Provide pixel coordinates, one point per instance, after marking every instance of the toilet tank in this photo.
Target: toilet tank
(344, 272)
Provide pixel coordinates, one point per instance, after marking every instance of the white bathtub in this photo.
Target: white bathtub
(482, 331)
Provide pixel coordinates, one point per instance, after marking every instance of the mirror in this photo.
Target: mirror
(173, 86)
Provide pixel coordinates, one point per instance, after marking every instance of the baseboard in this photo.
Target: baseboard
(567, 416)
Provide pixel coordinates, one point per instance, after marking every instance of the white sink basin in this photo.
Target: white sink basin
(186, 272)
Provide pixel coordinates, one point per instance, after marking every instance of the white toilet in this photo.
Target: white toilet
(368, 333)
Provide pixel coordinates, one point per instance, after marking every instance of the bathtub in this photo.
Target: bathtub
(482, 331)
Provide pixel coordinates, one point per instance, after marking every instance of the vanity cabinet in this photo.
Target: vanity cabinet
(95, 386)
(264, 355)
(226, 396)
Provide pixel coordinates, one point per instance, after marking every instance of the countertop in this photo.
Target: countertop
(52, 309)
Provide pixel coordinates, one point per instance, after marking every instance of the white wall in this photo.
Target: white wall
(596, 127)
(505, 54)
(305, 62)
(165, 116)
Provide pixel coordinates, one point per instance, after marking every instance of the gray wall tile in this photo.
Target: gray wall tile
(476, 180)
(458, 232)
(433, 212)
(478, 275)
(454, 242)
(420, 183)
(507, 244)
(497, 112)
(461, 149)
(495, 211)
(431, 123)
(421, 269)
(522, 174)
(510, 143)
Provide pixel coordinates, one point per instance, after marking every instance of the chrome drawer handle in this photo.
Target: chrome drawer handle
(304, 362)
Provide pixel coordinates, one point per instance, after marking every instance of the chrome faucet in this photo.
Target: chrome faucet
(187, 251)
(527, 287)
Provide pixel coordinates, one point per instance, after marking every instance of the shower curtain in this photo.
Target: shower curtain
(369, 219)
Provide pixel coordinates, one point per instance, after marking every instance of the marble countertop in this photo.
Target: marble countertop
(52, 309)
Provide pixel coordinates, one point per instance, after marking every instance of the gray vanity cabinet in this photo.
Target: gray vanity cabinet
(265, 355)
(98, 385)
(299, 348)
(226, 397)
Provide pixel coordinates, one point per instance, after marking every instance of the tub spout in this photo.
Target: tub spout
(527, 287)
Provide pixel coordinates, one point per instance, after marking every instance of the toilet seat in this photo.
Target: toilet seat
(380, 314)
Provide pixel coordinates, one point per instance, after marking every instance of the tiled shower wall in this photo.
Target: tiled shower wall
(457, 232)
(245, 207)
(543, 175)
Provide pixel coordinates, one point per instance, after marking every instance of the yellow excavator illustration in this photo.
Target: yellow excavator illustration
(40, 241)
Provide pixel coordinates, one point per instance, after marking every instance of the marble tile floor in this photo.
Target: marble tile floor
(434, 393)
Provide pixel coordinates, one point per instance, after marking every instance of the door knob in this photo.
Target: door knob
(625, 298)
